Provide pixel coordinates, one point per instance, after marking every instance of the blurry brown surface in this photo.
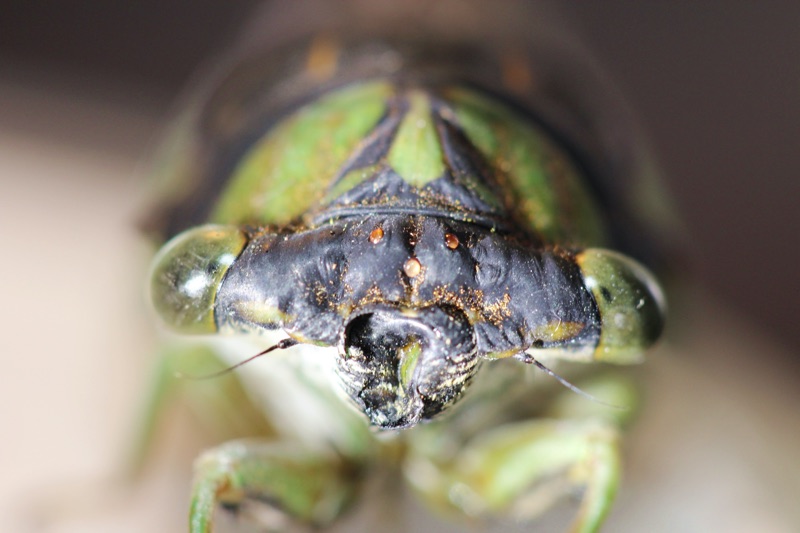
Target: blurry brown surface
(715, 449)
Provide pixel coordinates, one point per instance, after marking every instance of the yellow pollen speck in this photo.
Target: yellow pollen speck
(376, 235)
(412, 267)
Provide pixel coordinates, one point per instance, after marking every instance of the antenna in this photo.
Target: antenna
(282, 345)
(530, 360)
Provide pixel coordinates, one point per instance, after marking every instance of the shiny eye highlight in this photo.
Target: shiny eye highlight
(187, 273)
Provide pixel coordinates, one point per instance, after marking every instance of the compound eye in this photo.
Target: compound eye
(630, 302)
(187, 273)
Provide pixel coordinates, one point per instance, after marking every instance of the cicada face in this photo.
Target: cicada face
(429, 235)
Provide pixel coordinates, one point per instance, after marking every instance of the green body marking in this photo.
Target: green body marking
(289, 169)
(417, 152)
(538, 177)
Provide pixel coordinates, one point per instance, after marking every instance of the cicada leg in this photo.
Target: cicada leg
(261, 464)
(519, 470)
(309, 486)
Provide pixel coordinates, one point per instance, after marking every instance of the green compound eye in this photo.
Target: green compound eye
(630, 302)
(187, 273)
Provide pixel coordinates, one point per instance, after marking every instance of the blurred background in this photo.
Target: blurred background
(85, 89)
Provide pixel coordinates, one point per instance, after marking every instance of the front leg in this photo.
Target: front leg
(311, 487)
(520, 470)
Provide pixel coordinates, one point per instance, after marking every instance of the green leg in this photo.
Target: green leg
(520, 470)
(311, 487)
(220, 405)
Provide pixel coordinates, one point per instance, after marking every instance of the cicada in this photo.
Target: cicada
(419, 226)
